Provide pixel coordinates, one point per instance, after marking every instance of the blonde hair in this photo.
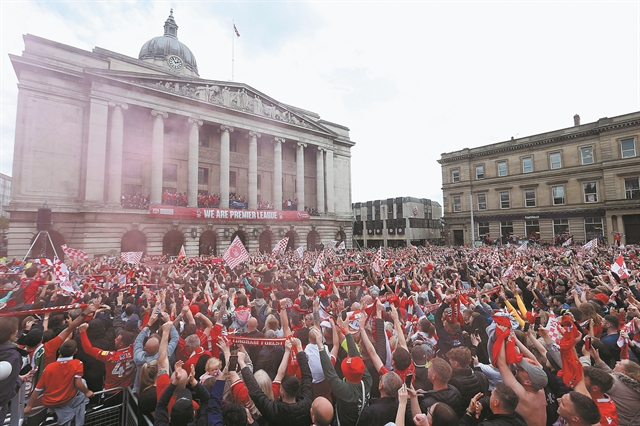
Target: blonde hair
(271, 323)
(211, 364)
(148, 374)
(264, 381)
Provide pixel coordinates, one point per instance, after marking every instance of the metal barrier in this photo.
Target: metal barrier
(102, 414)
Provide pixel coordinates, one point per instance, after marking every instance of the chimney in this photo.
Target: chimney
(576, 120)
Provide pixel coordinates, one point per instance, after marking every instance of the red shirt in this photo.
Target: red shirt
(58, 381)
(608, 411)
(50, 350)
(402, 373)
(118, 364)
(193, 359)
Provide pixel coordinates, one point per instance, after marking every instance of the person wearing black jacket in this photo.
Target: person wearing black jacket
(503, 405)
(464, 378)
(295, 407)
(383, 410)
(182, 413)
(439, 374)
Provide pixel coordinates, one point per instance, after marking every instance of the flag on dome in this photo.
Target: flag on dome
(236, 253)
(591, 244)
(182, 254)
(281, 246)
(74, 253)
(131, 256)
(620, 268)
(567, 243)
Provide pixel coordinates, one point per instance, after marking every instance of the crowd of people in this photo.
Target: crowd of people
(135, 201)
(409, 336)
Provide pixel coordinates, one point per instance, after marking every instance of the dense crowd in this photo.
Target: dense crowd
(418, 335)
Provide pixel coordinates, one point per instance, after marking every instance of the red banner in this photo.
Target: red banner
(177, 212)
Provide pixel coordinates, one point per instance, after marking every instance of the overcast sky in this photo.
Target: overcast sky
(410, 79)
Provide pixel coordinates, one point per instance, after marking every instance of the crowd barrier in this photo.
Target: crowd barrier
(101, 414)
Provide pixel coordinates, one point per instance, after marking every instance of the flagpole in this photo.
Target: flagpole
(473, 231)
(233, 43)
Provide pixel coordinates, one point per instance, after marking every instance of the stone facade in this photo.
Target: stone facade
(580, 181)
(95, 126)
(397, 222)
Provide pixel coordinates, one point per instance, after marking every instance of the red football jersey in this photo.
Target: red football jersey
(119, 364)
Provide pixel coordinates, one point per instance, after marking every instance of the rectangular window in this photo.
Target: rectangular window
(558, 195)
(170, 172)
(483, 229)
(593, 228)
(502, 168)
(233, 146)
(482, 201)
(457, 204)
(527, 165)
(203, 176)
(530, 197)
(132, 189)
(555, 160)
(203, 137)
(232, 178)
(506, 230)
(455, 175)
(132, 168)
(632, 188)
(590, 192)
(628, 148)
(504, 200)
(560, 227)
(586, 155)
(480, 172)
(398, 210)
(259, 185)
(532, 229)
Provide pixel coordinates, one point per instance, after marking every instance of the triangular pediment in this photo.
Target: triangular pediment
(225, 94)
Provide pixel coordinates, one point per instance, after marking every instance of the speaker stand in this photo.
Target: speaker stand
(43, 248)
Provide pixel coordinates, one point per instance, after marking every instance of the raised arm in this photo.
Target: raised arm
(507, 377)
(364, 339)
(163, 351)
(207, 322)
(398, 327)
(284, 319)
(282, 369)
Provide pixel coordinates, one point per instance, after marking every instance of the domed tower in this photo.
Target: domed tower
(168, 52)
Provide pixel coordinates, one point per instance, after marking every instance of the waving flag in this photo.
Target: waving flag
(131, 256)
(522, 247)
(236, 253)
(495, 259)
(341, 246)
(43, 261)
(319, 266)
(74, 254)
(62, 276)
(300, 252)
(281, 246)
(236, 30)
(620, 268)
(567, 243)
(377, 258)
(591, 244)
(182, 254)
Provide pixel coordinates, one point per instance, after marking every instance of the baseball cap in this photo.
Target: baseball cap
(182, 411)
(353, 368)
(536, 374)
(34, 337)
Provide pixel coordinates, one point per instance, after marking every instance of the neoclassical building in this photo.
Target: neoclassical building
(581, 181)
(142, 154)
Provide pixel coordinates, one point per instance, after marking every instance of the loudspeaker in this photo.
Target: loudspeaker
(44, 219)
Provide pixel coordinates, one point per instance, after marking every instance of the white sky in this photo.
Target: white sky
(410, 79)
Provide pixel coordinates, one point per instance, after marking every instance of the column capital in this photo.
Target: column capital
(254, 135)
(321, 149)
(225, 128)
(302, 144)
(159, 114)
(195, 121)
(278, 140)
(120, 105)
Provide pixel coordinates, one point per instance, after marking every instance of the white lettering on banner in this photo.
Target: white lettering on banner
(226, 214)
(166, 211)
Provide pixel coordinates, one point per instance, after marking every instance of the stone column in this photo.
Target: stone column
(277, 172)
(300, 175)
(623, 238)
(224, 166)
(330, 201)
(96, 151)
(320, 180)
(116, 138)
(609, 229)
(192, 182)
(157, 156)
(253, 170)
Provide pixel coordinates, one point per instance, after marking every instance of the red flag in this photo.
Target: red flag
(236, 30)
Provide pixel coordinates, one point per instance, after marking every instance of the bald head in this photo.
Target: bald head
(321, 411)
(252, 324)
(152, 346)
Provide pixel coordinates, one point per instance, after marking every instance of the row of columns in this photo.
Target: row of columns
(96, 154)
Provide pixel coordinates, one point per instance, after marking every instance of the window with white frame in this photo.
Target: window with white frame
(558, 195)
(530, 197)
(560, 226)
(455, 175)
(482, 201)
(506, 229)
(632, 188)
(628, 148)
(483, 229)
(527, 165)
(586, 155)
(555, 160)
(502, 168)
(480, 171)
(457, 203)
(504, 200)
(590, 192)
(593, 228)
